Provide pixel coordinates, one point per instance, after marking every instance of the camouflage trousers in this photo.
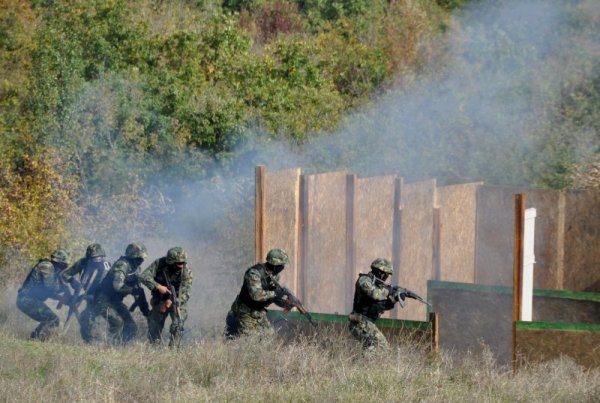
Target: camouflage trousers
(365, 331)
(156, 323)
(121, 326)
(40, 312)
(87, 319)
(242, 321)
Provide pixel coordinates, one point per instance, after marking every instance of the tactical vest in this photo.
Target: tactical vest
(366, 305)
(162, 272)
(93, 274)
(106, 286)
(244, 296)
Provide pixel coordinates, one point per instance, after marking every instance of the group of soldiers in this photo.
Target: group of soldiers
(104, 286)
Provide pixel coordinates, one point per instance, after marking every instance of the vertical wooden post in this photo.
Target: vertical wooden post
(350, 242)
(434, 319)
(517, 270)
(560, 241)
(397, 233)
(436, 269)
(303, 237)
(260, 207)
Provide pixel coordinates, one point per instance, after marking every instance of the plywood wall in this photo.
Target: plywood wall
(325, 266)
(457, 205)
(373, 223)
(416, 244)
(582, 241)
(282, 219)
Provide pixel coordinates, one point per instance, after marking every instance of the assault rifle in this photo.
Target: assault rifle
(291, 301)
(401, 293)
(140, 301)
(175, 306)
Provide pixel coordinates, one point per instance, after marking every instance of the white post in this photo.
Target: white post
(528, 262)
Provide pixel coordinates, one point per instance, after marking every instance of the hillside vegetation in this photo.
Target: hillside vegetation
(113, 112)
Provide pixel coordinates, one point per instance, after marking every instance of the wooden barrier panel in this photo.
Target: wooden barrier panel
(373, 223)
(495, 235)
(582, 241)
(542, 341)
(458, 206)
(324, 269)
(416, 233)
(283, 219)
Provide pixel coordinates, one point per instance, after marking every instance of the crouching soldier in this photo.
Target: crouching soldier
(371, 298)
(85, 277)
(170, 282)
(248, 314)
(41, 283)
(120, 281)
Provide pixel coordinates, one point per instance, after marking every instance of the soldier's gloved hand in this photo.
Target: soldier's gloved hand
(280, 294)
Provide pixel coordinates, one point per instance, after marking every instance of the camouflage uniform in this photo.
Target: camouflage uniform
(119, 282)
(43, 282)
(164, 271)
(371, 299)
(248, 314)
(87, 274)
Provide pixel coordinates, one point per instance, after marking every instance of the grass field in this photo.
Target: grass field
(326, 368)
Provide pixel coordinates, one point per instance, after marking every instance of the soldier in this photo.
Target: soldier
(121, 280)
(371, 299)
(43, 282)
(170, 282)
(85, 277)
(248, 314)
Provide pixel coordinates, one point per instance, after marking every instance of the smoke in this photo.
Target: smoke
(485, 112)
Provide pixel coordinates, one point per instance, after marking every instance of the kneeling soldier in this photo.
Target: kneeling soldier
(371, 298)
(43, 282)
(248, 314)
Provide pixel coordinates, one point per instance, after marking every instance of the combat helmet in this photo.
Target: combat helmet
(94, 250)
(59, 256)
(383, 265)
(136, 250)
(176, 255)
(277, 257)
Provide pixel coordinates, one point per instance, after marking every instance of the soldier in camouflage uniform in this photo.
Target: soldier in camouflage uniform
(371, 299)
(85, 277)
(43, 282)
(121, 280)
(165, 272)
(248, 314)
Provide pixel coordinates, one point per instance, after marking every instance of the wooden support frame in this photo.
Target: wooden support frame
(436, 241)
(520, 201)
(260, 212)
(350, 240)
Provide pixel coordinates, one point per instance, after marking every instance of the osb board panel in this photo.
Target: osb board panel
(457, 204)
(471, 319)
(416, 245)
(582, 346)
(582, 241)
(564, 310)
(325, 254)
(494, 242)
(282, 219)
(373, 222)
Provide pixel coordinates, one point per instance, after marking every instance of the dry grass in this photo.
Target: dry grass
(325, 368)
